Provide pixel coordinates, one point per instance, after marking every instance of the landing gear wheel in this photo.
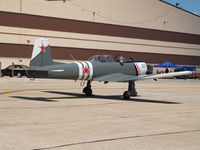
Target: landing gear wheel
(127, 95)
(87, 91)
(131, 91)
(134, 93)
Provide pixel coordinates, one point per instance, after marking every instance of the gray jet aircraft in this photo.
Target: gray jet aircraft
(98, 68)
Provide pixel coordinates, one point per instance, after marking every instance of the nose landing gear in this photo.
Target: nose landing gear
(131, 91)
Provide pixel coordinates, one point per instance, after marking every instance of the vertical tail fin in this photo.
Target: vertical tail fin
(41, 55)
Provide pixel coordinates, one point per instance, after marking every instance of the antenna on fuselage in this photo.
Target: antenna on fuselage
(72, 57)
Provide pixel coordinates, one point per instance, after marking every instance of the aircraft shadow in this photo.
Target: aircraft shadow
(112, 97)
(42, 99)
(69, 95)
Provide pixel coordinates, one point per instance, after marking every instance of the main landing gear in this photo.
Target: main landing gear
(131, 91)
(127, 94)
(87, 90)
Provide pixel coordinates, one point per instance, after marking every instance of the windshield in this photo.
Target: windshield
(102, 58)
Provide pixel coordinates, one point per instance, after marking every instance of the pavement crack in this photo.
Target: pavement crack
(115, 139)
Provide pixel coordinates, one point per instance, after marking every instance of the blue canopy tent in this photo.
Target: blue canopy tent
(167, 64)
(189, 68)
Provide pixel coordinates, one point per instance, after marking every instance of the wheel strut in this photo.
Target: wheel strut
(131, 88)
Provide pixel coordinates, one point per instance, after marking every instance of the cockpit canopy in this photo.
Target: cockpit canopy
(102, 58)
(112, 58)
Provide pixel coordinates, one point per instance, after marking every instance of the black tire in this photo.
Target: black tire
(134, 94)
(19, 75)
(126, 95)
(87, 91)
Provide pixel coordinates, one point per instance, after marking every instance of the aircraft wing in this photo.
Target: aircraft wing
(120, 77)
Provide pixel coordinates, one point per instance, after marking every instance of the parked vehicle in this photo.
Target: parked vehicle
(18, 70)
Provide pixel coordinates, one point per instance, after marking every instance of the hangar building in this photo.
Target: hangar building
(150, 30)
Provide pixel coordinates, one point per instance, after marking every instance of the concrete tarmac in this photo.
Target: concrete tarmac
(54, 115)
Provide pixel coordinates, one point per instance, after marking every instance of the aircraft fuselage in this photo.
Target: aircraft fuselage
(88, 70)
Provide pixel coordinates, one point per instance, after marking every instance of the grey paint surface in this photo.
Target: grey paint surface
(101, 69)
(43, 63)
(71, 71)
